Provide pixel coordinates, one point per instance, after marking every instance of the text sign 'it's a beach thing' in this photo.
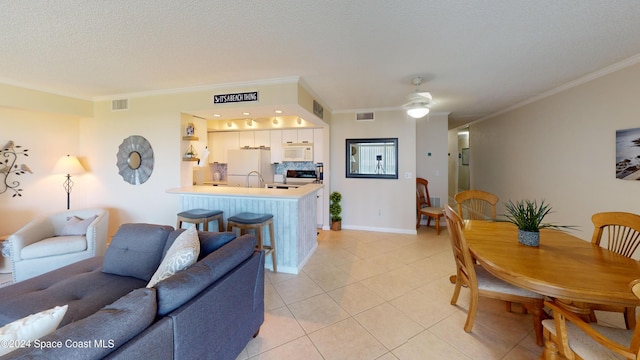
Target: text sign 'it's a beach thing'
(237, 97)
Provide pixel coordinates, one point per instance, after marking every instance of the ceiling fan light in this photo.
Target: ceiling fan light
(417, 111)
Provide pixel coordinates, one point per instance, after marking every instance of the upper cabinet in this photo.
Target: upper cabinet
(220, 143)
(317, 145)
(262, 138)
(297, 136)
(276, 146)
(246, 138)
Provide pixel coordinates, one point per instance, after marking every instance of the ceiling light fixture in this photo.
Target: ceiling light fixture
(278, 111)
(275, 121)
(246, 113)
(249, 122)
(299, 121)
(418, 102)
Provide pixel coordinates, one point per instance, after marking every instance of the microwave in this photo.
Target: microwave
(297, 152)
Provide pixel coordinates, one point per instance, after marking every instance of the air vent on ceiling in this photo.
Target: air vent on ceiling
(121, 104)
(365, 116)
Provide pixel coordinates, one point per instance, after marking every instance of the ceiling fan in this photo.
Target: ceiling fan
(418, 102)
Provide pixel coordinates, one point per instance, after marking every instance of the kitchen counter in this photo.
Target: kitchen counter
(293, 210)
(236, 191)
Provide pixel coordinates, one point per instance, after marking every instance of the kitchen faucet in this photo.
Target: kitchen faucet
(260, 179)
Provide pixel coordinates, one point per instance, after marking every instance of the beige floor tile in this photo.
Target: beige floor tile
(356, 298)
(279, 327)
(365, 295)
(347, 340)
(298, 288)
(389, 325)
(272, 299)
(428, 304)
(329, 277)
(427, 346)
(395, 283)
(480, 343)
(301, 348)
(387, 356)
(317, 312)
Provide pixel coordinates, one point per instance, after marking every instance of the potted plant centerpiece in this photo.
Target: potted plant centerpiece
(527, 215)
(335, 209)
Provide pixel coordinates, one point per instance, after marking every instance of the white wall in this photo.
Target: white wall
(432, 154)
(562, 149)
(386, 205)
(47, 137)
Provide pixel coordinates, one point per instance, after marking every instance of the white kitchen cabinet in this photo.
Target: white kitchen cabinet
(289, 136)
(276, 146)
(318, 137)
(297, 136)
(220, 143)
(246, 138)
(262, 138)
(305, 135)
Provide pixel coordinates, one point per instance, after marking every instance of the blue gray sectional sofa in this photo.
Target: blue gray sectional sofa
(209, 311)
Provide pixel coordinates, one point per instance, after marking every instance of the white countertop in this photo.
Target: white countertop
(235, 191)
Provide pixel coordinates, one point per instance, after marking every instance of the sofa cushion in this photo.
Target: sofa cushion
(209, 241)
(30, 328)
(182, 254)
(136, 250)
(82, 285)
(183, 286)
(99, 334)
(77, 226)
(52, 246)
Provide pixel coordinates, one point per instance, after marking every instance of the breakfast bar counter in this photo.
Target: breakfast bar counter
(293, 210)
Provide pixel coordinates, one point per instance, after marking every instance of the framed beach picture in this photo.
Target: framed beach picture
(628, 154)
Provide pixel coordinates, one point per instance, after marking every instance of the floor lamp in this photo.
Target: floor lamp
(68, 165)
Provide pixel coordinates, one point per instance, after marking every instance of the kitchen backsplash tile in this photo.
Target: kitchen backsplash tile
(294, 165)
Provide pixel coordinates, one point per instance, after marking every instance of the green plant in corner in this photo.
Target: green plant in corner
(335, 210)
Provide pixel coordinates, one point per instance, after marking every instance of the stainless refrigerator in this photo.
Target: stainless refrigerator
(243, 161)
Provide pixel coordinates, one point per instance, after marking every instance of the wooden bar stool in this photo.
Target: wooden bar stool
(247, 221)
(201, 216)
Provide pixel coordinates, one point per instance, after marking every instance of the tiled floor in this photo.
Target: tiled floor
(367, 295)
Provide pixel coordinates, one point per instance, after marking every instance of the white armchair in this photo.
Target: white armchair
(53, 241)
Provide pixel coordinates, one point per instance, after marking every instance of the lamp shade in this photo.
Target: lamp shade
(68, 165)
(417, 111)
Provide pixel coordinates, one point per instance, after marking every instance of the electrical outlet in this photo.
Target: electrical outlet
(408, 175)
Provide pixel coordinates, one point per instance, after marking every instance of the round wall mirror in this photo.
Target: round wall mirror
(135, 160)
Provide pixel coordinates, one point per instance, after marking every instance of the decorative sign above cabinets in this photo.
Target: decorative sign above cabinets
(237, 97)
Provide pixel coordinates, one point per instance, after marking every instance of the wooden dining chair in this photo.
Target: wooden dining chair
(481, 283)
(479, 204)
(621, 234)
(423, 205)
(568, 336)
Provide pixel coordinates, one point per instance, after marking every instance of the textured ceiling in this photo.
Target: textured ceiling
(478, 57)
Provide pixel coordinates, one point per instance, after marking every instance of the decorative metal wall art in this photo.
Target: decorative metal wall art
(8, 167)
(135, 160)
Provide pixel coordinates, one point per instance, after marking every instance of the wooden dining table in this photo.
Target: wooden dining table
(563, 267)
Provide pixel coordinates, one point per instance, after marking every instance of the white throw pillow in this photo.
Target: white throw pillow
(182, 254)
(21, 333)
(77, 226)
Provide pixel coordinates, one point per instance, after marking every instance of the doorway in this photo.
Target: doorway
(464, 156)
